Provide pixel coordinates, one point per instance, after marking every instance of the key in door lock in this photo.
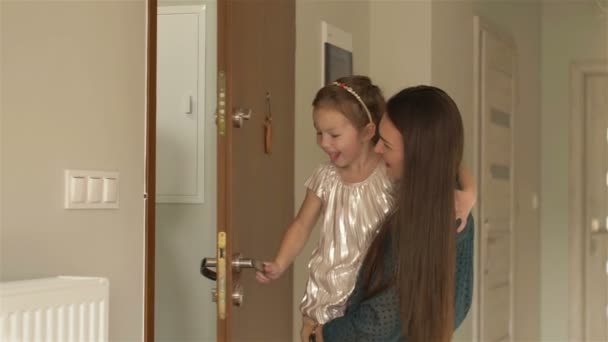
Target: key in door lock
(238, 295)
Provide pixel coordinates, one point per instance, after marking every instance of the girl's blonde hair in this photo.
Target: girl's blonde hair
(339, 96)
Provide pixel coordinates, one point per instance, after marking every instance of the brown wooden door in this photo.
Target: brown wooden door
(256, 55)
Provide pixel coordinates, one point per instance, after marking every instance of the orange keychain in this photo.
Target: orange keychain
(268, 135)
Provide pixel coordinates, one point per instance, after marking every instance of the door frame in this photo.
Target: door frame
(577, 233)
(480, 24)
(224, 159)
(150, 172)
(224, 164)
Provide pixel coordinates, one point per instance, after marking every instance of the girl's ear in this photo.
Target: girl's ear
(369, 131)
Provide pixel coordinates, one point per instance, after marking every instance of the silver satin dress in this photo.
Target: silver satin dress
(350, 216)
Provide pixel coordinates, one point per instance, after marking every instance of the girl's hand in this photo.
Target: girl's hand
(272, 271)
(464, 202)
(308, 325)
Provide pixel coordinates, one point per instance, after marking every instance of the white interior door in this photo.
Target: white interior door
(596, 207)
(497, 106)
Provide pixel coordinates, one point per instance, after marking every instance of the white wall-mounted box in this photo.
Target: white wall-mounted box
(180, 106)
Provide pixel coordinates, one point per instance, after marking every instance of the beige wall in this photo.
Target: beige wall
(572, 31)
(43, 74)
(73, 88)
(309, 14)
(452, 70)
(452, 60)
(2, 135)
(400, 44)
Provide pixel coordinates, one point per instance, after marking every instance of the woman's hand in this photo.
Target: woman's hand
(464, 202)
(272, 271)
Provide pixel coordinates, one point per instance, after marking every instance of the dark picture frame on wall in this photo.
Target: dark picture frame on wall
(336, 53)
(338, 62)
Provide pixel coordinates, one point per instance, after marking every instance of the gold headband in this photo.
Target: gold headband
(354, 93)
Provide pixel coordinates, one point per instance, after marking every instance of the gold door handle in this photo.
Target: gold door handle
(238, 263)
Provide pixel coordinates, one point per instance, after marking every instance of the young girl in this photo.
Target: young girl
(416, 280)
(352, 192)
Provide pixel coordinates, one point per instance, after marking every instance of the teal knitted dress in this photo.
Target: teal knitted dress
(376, 319)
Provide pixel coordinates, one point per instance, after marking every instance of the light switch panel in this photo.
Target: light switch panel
(77, 189)
(88, 189)
(93, 189)
(110, 191)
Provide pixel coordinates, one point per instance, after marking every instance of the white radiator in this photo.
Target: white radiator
(62, 309)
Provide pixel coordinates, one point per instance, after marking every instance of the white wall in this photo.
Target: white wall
(185, 233)
(73, 87)
(309, 14)
(571, 31)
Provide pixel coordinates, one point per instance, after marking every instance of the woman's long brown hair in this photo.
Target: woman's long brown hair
(420, 233)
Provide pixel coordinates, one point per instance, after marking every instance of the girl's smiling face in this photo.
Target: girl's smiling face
(338, 137)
